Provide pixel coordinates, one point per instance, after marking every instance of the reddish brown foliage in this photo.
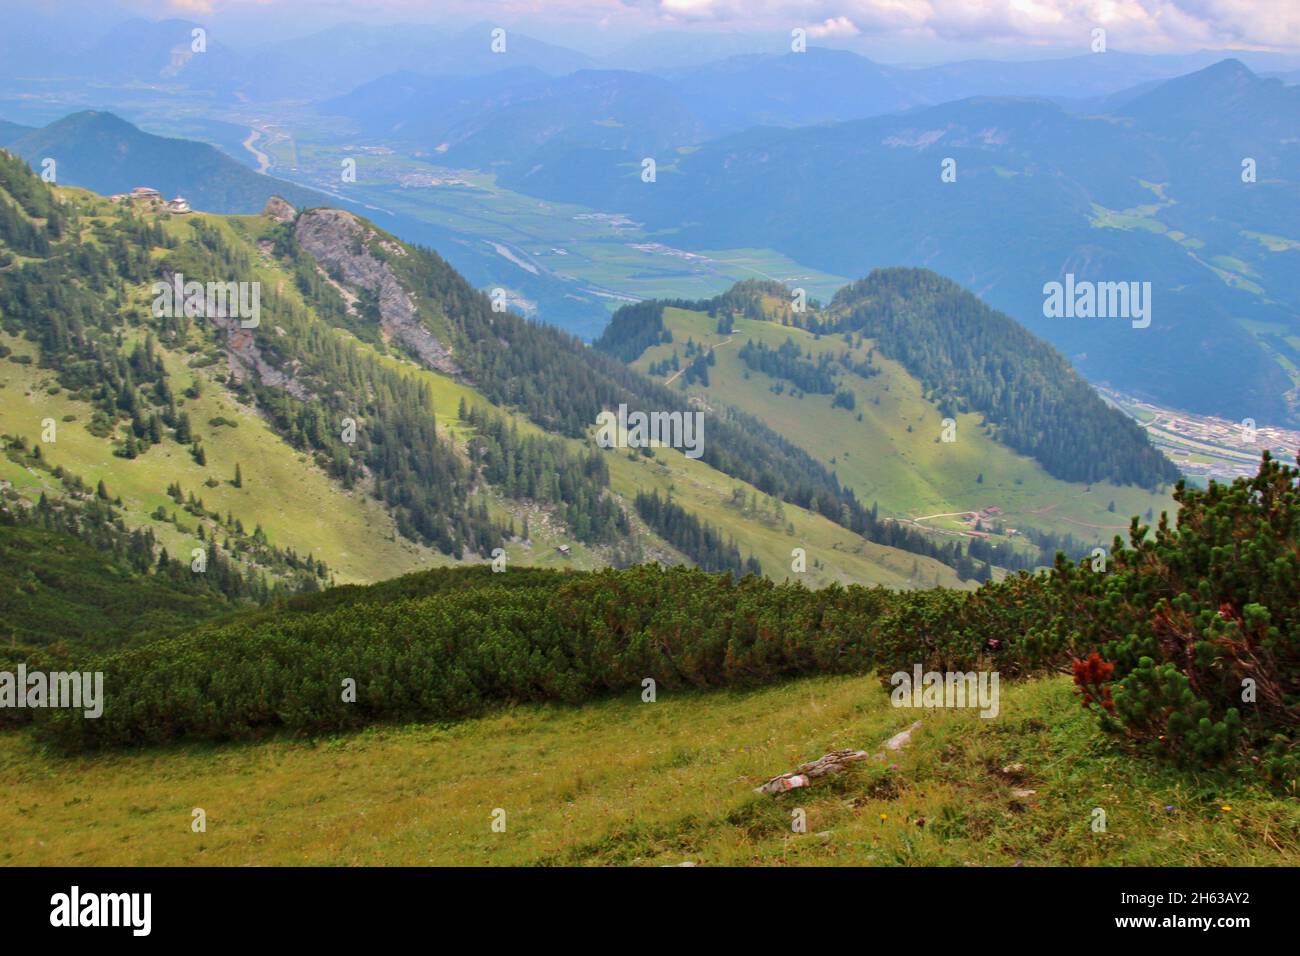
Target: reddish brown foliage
(1090, 676)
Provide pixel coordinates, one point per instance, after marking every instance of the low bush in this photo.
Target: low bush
(450, 644)
(1200, 623)
(1187, 641)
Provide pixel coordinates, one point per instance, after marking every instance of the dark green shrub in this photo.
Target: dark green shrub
(1202, 624)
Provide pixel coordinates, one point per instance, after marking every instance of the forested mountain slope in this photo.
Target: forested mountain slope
(868, 384)
(376, 416)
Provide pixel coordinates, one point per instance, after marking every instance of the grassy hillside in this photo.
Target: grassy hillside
(894, 455)
(529, 689)
(293, 491)
(632, 783)
(352, 533)
(833, 553)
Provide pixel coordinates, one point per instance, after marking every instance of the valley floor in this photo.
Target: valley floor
(630, 783)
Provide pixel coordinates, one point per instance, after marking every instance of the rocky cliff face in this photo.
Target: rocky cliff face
(244, 356)
(279, 209)
(340, 242)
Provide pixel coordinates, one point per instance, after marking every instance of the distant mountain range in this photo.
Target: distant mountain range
(687, 105)
(500, 119)
(1153, 192)
(1131, 173)
(732, 81)
(77, 42)
(609, 107)
(338, 59)
(163, 53)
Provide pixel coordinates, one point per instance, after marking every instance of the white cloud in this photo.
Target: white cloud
(1152, 25)
(834, 27)
(1130, 24)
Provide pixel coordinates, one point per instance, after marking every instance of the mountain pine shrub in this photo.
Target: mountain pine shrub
(1199, 625)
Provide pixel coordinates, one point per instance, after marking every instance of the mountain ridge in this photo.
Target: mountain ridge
(451, 483)
(104, 153)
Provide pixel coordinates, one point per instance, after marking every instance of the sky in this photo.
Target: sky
(935, 29)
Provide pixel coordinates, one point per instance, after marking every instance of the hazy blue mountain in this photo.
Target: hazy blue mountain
(105, 153)
(678, 49)
(1078, 77)
(1205, 126)
(48, 39)
(735, 93)
(502, 119)
(25, 43)
(162, 52)
(597, 108)
(419, 108)
(130, 55)
(795, 89)
(12, 131)
(1223, 98)
(339, 59)
(1038, 195)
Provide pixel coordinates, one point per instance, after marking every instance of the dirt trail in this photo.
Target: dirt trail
(672, 378)
(946, 514)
